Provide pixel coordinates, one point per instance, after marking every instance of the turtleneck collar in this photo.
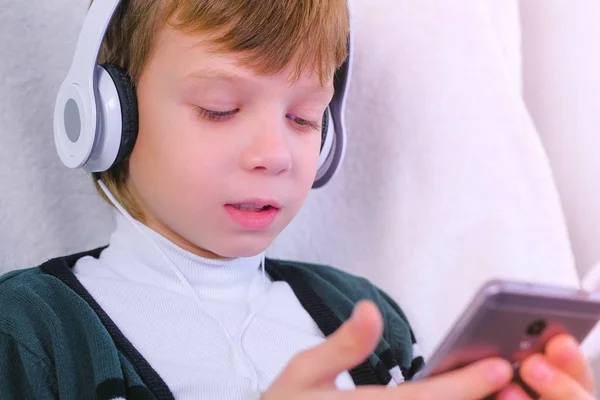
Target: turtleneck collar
(132, 256)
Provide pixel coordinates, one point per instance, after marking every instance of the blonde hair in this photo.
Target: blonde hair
(268, 36)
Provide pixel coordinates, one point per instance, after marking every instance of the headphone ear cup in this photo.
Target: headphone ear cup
(324, 128)
(327, 143)
(129, 109)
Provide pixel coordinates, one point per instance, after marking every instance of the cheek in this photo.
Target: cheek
(310, 153)
(171, 156)
(306, 158)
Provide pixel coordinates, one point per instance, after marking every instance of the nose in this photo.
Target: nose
(268, 150)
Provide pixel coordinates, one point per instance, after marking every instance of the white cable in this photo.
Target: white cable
(201, 306)
(262, 266)
(169, 262)
(246, 324)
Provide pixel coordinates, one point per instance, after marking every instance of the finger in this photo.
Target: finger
(564, 353)
(513, 392)
(476, 381)
(350, 345)
(549, 382)
(366, 392)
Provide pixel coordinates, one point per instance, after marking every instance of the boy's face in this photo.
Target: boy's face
(216, 140)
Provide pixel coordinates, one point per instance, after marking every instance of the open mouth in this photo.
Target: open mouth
(254, 216)
(251, 208)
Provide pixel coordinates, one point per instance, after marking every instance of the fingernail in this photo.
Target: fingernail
(541, 372)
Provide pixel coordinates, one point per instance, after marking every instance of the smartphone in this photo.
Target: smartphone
(513, 320)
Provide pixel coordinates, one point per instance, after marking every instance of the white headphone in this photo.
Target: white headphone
(95, 114)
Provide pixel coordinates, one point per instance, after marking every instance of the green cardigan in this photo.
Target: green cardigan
(56, 341)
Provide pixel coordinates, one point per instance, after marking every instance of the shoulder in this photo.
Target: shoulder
(341, 291)
(33, 286)
(38, 304)
(28, 316)
(317, 271)
(24, 289)
(346, 284)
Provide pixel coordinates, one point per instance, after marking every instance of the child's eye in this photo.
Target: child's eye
(216, 115)
(303, 123)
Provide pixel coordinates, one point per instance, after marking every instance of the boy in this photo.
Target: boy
(229, 98)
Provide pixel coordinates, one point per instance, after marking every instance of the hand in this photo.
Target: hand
(562, 373)
(311, 374)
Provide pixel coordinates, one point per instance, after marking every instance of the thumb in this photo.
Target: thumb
(347, 347)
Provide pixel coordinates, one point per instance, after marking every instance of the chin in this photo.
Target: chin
(244, 247)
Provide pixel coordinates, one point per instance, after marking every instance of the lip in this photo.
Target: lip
(258, 202)
(253, 220)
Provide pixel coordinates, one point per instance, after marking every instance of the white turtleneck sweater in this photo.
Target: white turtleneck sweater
(229, 339)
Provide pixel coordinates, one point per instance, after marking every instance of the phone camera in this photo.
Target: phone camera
(536, 328)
